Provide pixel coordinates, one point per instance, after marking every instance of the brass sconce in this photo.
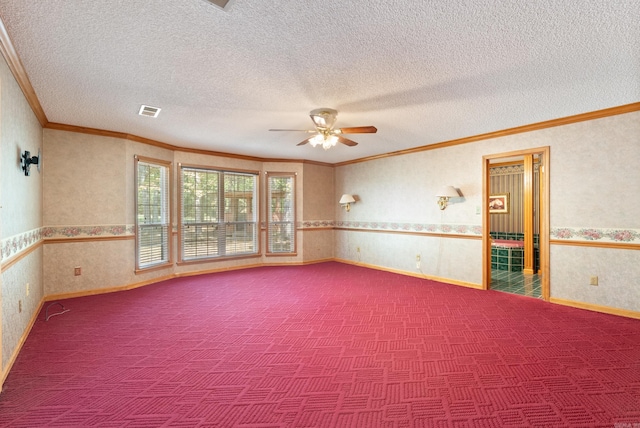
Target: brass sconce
(444, 194)
(346, 200)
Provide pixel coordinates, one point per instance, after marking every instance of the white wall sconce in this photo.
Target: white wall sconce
(444, 194)
(346, 200)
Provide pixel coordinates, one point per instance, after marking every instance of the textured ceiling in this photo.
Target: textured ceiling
(422, 72)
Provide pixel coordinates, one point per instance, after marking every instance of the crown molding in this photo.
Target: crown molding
(17, 69)
(598, 114)
(137, 139)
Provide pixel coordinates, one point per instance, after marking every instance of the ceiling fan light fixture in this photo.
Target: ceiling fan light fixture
(317, 140)
(329, 141)
(326, 141)
(324, 119)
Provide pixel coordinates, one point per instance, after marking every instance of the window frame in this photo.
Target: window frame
(182, 260)
(166, 214)
(268, 214)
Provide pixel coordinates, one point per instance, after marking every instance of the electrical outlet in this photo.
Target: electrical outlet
(27, 289)
(593, 280)
(418, 261)
(77, 271)
(357, 249)
(19, 306)
(417, 257)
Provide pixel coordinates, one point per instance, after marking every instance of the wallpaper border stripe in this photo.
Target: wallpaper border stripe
(590, 234)
(108, 230)
(472, 230)
(13, 246)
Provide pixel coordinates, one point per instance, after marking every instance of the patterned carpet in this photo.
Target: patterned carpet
(326, 345)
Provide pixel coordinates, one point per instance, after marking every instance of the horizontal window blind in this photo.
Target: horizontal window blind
(152, 214)
(153, 245)
(281, 214)
(218, 213)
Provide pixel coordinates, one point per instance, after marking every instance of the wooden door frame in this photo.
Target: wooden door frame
(543, 243)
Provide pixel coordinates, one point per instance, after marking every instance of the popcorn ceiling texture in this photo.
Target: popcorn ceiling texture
(422, 72)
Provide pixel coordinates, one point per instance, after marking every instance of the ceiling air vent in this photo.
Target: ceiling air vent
(222, 4)
(149, 111)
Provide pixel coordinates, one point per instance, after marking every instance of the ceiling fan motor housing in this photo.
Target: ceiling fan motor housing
(324, 118)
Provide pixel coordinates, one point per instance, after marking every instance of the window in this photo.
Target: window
(153, 225)
(217, 214)
(281, 230)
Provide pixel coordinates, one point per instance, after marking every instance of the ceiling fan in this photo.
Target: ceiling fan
(326, 135)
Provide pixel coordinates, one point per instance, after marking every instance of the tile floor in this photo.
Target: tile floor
(516, 282)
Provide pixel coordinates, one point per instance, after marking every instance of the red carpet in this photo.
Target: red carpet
(327, 345)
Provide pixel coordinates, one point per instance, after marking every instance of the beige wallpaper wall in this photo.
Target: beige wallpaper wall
(596, 174)
(20, 217)
(397, 195)
(105, 264)
(85, 198)
(89, 212)
(85, 181)
(18, 308)
(19, 131)
(319, 205)
(320, 200)
(594, 198)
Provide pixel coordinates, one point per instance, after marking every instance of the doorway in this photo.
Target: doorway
(515, 223)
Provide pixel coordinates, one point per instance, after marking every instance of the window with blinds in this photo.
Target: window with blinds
(218, 213)
(153, 225)
(281, 230)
